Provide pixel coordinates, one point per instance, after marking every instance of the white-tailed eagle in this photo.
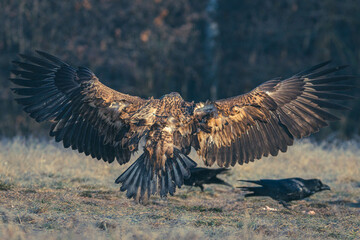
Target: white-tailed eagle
(106, 124)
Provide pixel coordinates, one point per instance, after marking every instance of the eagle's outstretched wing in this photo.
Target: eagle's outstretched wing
(86, 114)
(267, 119)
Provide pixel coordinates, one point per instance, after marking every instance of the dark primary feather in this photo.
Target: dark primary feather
(200, 176)
(284, 190)
(106, 124)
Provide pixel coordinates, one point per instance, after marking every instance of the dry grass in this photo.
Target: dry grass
(47, 192)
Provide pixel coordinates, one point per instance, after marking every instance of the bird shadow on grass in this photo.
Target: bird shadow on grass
(346, 203)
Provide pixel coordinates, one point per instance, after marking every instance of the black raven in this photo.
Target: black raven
(200, 176)
(285, 190)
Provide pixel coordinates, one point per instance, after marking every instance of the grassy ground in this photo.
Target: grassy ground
(47, 192)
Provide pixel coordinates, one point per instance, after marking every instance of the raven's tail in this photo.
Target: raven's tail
(220, 181)
(253, 191)
(251, 181)
(140, 180)
(222, 170)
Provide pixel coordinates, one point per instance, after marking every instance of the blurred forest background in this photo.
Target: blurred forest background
(204, 49)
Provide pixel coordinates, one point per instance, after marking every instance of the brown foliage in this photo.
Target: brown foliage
(150, 48)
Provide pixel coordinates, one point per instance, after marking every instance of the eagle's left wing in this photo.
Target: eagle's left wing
(267, 119)
(86, 114)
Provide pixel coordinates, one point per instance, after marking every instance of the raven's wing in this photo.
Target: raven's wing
(266, 183)
(292, 187)
(203, 175)
(267, 119)
(286, 185)
(208, 172)
(86, 114)
(295, 187)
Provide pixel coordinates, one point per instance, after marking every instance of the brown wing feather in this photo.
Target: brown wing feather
(267, 119)
(86, 114)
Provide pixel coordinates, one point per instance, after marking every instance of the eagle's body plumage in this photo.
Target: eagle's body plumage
(108, 125)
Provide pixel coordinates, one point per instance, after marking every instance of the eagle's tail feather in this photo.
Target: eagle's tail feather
(140, 180)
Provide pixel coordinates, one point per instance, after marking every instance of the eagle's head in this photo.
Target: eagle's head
(172, 95)
(205, 109)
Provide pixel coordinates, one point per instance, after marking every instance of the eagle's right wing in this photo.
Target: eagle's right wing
(86, 114)
(268, 118)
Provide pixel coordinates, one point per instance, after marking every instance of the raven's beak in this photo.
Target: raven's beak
(325, 187)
